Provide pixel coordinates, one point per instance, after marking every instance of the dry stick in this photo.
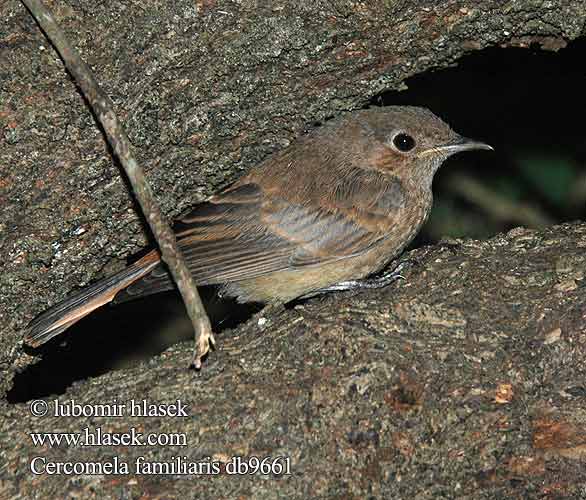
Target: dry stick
(498, 205)
(103, 109)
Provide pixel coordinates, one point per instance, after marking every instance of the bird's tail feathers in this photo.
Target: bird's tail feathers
(64, 314)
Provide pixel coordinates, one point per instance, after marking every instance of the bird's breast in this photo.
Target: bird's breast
(402, 225)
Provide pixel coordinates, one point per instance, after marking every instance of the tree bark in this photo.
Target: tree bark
(465, 380)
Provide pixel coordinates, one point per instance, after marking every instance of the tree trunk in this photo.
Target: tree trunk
(465, 380)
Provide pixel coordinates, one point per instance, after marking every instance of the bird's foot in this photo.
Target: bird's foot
(381, 281)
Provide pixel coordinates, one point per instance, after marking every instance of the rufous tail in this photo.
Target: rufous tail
(64, 314)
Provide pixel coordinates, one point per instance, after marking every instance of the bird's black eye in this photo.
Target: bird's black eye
(404, 142)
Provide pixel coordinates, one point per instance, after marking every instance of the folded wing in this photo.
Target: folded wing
(245, 233)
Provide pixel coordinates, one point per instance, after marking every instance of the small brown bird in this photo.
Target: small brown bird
(322, 215)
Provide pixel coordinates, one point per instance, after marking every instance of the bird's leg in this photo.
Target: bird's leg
(385, 279)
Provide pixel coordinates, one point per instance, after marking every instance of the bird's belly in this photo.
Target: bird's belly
(288, 284)
(284, 286)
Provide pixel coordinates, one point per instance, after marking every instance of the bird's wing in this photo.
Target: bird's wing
(246, 232)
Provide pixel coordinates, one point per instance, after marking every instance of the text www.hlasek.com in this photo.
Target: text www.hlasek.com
(95, 437)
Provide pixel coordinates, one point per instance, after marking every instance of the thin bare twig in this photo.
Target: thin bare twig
(497, 205)
(104, 111)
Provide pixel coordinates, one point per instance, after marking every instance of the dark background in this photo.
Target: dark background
(527, 103)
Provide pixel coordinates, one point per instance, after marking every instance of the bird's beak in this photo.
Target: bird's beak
(460, 144)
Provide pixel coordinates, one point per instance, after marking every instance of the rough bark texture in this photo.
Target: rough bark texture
(465, 380)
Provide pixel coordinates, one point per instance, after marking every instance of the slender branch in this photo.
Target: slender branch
(497, 205)
(104, 111)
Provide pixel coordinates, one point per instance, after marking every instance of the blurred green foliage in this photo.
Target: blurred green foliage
(553, 177)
